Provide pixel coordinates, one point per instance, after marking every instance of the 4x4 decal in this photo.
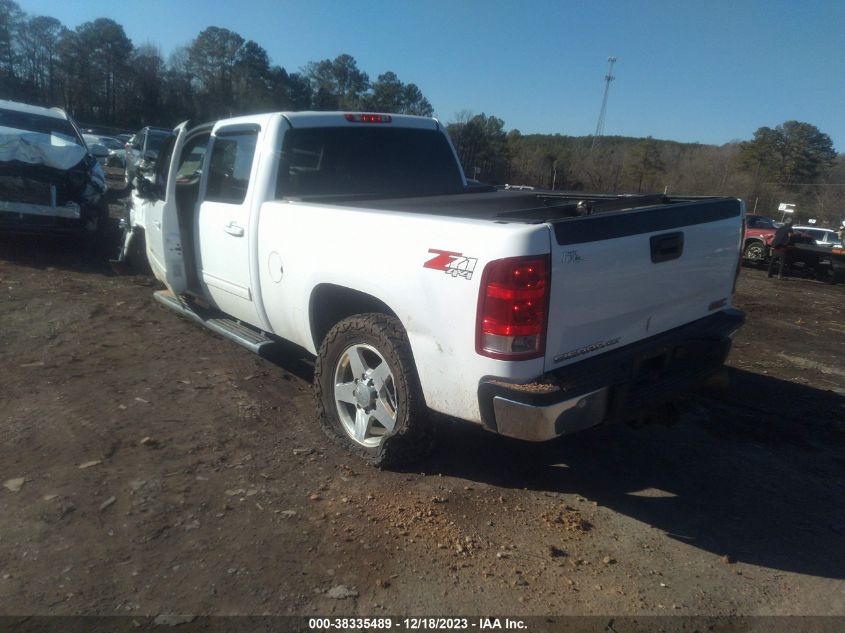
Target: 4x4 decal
(452, 263)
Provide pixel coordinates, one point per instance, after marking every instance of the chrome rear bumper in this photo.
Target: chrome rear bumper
(539, 423)
(614, 386)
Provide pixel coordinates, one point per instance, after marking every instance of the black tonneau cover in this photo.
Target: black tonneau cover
(603, 214)
(503, 205)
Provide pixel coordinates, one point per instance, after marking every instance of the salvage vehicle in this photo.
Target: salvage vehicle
(806, 257)
(142, 150)
(48, 178)
(355, 236)
(111, 155)
(822, 237)
(759, 233)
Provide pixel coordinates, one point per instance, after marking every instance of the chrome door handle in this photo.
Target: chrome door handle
(233, 229)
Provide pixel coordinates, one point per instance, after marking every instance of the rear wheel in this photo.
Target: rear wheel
(368, 395)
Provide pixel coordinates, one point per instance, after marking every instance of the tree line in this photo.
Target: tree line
(793, 162)
(95, 72)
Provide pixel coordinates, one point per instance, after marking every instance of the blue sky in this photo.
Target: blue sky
(704, 71)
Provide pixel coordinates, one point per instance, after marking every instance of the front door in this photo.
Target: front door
(154, 209)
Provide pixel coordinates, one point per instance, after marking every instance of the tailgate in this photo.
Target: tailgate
(621, 277)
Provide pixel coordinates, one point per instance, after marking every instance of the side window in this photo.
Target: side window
(230, 166)
(191, 160)
(162, 166)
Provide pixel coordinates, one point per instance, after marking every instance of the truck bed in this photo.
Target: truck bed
(535, 207)
(623, 267)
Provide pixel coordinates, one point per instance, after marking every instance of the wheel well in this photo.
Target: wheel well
(750, 240)
(330, 304)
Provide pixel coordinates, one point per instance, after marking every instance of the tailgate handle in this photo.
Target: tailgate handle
(666, 247)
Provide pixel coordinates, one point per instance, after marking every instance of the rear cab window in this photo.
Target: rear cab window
(366, 161)
(230, 165)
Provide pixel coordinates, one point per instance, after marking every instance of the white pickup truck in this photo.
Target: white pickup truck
(356, 236)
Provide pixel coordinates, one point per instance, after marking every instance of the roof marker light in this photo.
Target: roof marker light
(368, 118)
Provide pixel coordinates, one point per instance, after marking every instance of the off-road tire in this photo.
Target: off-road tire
(412, 436)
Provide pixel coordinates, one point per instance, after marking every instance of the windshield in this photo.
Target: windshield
(383, 161)
(60, 131)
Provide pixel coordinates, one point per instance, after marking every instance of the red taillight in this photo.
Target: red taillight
(368, 118)
(512, 308)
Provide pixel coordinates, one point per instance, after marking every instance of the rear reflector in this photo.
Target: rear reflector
(368, 118)
(512, 308)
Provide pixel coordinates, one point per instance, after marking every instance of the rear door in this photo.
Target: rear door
(224, 221)
(625, 276)
(160, 218)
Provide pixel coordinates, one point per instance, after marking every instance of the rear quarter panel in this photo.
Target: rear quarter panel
(384, 254)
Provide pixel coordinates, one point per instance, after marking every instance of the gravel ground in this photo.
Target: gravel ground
(152, 467)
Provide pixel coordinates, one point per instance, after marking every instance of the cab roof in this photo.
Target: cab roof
(322, 119)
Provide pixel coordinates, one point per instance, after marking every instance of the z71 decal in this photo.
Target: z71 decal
(455, 264)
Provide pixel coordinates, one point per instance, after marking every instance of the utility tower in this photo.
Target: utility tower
(607, 79)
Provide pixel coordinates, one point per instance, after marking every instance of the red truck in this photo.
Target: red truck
(759, 233)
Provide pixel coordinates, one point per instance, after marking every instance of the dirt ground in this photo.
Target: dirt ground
(152, 467)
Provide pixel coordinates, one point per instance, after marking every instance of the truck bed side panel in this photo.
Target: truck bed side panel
(383, 254)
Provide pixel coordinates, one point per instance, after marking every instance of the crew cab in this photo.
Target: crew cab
(355, 236)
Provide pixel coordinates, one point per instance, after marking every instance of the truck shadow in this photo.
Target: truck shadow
(757, 474)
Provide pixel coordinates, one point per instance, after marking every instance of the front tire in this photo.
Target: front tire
(754, 253)
(368, 395)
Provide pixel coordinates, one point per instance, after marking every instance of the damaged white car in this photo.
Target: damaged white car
(49, 181)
